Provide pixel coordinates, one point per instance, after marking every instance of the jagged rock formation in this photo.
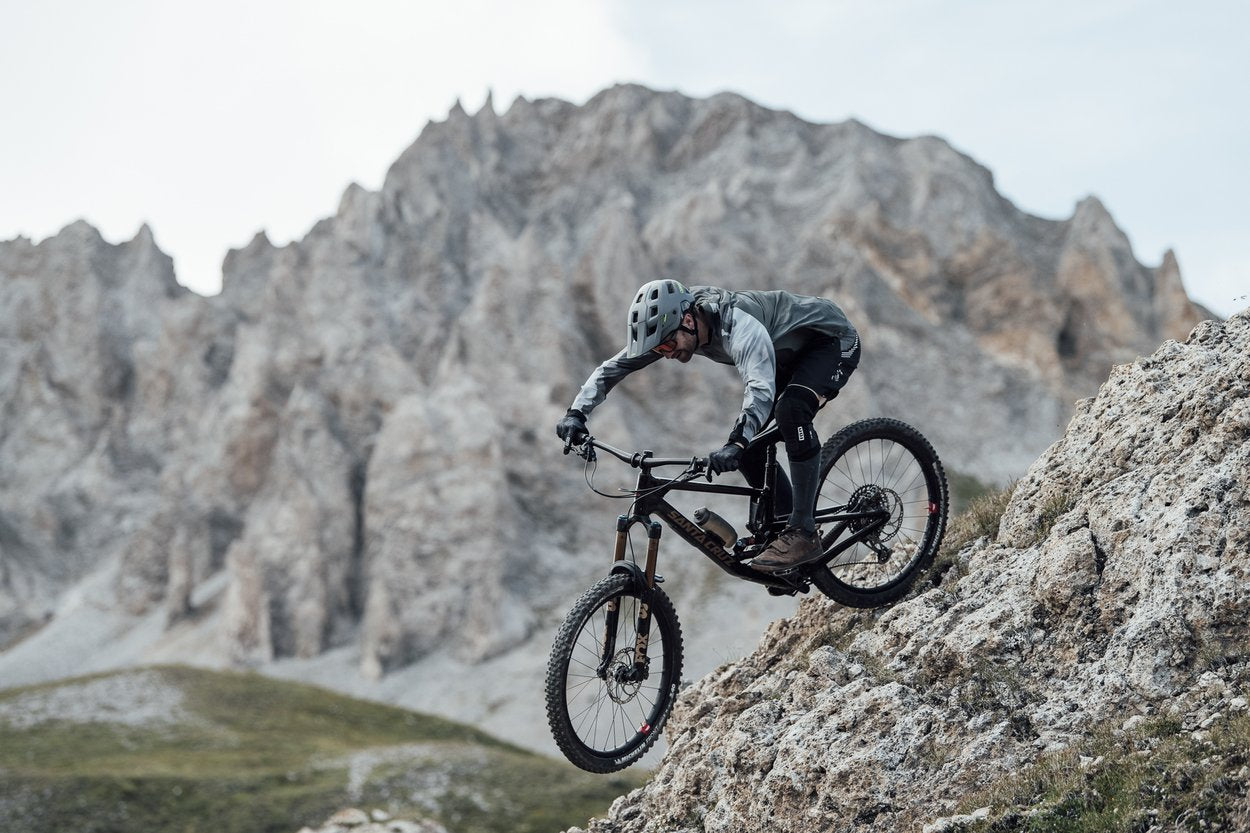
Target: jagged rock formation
(350, 448)
(82, 329)
(1117, 588)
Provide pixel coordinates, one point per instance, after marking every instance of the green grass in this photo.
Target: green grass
(1154, 778)
(980, 518)
(265, 755)
(964, 489)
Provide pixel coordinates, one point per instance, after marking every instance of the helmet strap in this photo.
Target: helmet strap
(694, 316)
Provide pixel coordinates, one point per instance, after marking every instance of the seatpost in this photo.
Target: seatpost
(770, 482)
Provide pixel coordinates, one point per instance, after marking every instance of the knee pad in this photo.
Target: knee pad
(795, 409)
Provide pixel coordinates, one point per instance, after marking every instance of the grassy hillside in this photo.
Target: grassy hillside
(180, 749)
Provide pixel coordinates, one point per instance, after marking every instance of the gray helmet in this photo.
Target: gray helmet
(655, 315)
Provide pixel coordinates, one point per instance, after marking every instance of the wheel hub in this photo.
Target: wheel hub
(874, 498)
(622, 681)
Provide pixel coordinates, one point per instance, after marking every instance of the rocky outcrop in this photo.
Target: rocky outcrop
(350, 448)
(1116, 591)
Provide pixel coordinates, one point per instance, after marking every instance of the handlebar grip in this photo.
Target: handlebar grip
(583, 448)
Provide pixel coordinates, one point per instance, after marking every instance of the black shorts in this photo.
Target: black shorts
(822, 367)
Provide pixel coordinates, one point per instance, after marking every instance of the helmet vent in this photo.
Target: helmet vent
(656, 312)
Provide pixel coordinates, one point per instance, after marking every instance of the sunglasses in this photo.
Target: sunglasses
(669, 344)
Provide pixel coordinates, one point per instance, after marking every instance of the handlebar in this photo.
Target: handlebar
(638, 459)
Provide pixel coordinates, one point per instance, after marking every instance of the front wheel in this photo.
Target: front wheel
(605, 708)
(888, 466)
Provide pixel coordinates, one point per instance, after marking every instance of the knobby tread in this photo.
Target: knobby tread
(925, 455)
(664, 617)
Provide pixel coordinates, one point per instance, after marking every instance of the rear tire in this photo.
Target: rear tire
(887, 464)
(604, 724)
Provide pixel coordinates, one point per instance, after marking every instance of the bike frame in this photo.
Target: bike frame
(651, 501)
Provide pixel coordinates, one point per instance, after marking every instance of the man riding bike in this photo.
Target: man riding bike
(802, 346)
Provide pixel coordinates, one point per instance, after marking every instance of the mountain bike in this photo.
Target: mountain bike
(615, 665)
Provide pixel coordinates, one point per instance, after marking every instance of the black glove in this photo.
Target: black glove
(572, 428)
(726, 459)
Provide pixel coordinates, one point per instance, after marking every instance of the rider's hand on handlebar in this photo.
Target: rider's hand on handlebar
(725, 459)
(572, 428)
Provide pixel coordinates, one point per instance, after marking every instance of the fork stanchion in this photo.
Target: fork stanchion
(622, 536)
(653, 550)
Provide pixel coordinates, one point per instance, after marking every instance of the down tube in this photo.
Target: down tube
(697, 537)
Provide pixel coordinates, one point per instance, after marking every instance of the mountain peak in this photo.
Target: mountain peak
(488, 106)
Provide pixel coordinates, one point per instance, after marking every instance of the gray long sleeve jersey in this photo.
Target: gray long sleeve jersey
(759, 333)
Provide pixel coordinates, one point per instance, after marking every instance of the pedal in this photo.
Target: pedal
(781, 591)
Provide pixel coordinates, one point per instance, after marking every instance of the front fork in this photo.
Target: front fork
(638, 671)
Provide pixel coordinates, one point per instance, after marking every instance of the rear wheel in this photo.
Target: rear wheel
(604, 713)
(886, 465)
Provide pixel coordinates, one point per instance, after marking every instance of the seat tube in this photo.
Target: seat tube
(770, 483)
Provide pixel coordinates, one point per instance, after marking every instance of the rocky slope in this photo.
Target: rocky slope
(342, 467)
(1116, 593)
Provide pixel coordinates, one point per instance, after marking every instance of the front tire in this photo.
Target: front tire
(885, 464)
(602, 720)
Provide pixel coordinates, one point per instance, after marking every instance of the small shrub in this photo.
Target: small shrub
(1054, 508)
(965, 489)
(980, 520)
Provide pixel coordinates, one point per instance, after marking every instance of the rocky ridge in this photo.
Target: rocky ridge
(326, 471)
(1115, 593)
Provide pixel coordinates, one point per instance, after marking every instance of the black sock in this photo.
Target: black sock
(804, 477)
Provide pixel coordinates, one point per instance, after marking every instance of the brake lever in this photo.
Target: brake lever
(584, 449)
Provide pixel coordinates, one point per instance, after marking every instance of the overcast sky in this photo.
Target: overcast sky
(212, 121)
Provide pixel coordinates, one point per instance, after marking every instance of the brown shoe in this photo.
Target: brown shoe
(792, 548)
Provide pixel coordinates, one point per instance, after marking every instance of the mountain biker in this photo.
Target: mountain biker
(802, 346)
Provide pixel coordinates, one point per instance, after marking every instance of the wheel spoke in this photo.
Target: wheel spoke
(599, 713)
(885, 467)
